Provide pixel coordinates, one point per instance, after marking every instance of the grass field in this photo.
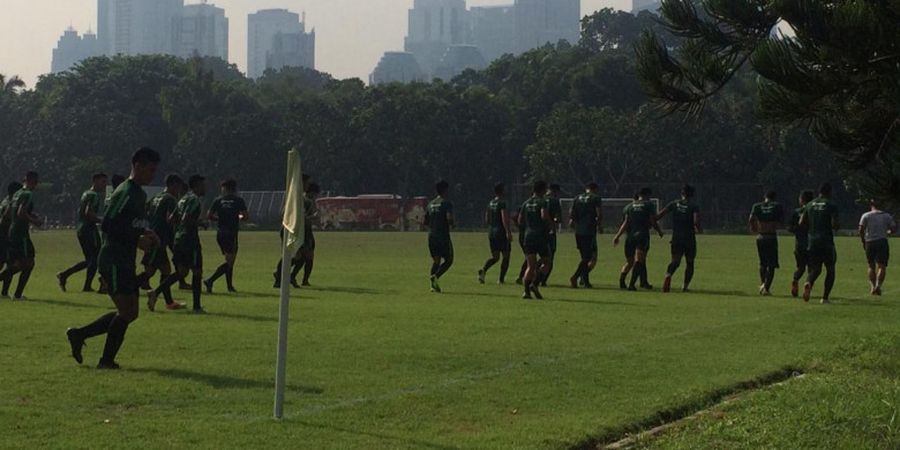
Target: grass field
(376, 361)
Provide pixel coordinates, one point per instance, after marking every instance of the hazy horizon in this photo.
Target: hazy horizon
(351, 34)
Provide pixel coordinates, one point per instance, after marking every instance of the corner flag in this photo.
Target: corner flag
(293, 226)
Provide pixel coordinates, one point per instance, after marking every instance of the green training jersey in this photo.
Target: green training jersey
(124, 223)
(584, 213)
(821, 215)
(188, 208)
(5, 217)
(554, 207)
(439, 211)
(684, 224)
(801, 231)
(159, 209)
(535, 225)
(310, 211)
(640, 216)
(91, 201)
(20, 228)
(768, 212)
(228, 208)
(495, 217)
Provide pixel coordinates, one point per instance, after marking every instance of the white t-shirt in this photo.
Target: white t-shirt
(877, 224)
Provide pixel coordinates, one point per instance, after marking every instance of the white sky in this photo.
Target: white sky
(351, 34)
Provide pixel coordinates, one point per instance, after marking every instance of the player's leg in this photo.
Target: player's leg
(872, 273)
(504, 263)
(448, 260)
(92, 254)
(581, 270)
(495, 257)
(590, 265)
(25, 275)
(126, 312)
(626, 269)
(882, 261)
(231, 259)
(531, 268)
(645, 272)
(181, 257)
(812, 275)
(197, 280)
(13, 267)
(677, 255)
(636, 271)
(801, 262)
(548, 263)
(309, 257)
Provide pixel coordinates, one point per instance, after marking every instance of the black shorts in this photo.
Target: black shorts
(537, 246)
(228, 242)
(522, 241)
(90, 244)
(4, 250)
(822, 255)
(633, 244)
(20, 249)
(767, 247)
(120, 275)
(587, 246)
(552, 242)
(686, 247)
(309, 242)
(440, 247)
(499, 243)
(878, 252)
(188, 254)
(158, 257)
(801, 256)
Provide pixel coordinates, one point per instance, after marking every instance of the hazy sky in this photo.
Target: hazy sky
(351, 34)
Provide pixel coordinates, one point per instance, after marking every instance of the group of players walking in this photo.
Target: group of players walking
(538, 221)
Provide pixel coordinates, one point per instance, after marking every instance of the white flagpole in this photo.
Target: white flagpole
(283, 311)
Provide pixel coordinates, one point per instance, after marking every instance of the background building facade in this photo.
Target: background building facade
(203, 31)
(263, 27)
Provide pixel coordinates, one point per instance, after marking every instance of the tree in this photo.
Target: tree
(831, 66)
(12, 85)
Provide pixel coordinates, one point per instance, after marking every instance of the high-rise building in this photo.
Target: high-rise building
(292, 50)
(435, 25)
(539, 22)
(645, 5)
(72, 49)
(493, 30)
(203, 31)
(396, 67)
(140, 27)
(457, 59)
(263, 26)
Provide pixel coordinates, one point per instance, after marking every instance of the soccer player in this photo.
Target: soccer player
(306, 254)
(821, 216)
(685, 226)
(874, 228)
(640, 216)
(499, 234)
(801, 241)
(88, 235)
(125, 230)
(21, 249)
(161, 213)
(228, 211)
(536, 221)
(555, 208)
(521, 228)
(6, 220)
(765, 220)
(439, 220)
(586, 217)
(187, 254)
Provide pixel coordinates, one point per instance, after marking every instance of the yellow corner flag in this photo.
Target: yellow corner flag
(293, 224)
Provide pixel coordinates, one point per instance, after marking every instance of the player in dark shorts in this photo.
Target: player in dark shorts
(89, 211)
(499, 234)
(586, 217)
(801, 241)
(555, 208)
(306, 254)
(685, 226)
(21, 248)
(875, 227)
(125, 229)
(521, 238)
(766, 218)
(536, 221)
(187, 253)
(6, 219)
(821, 216)
(439, 220)
(640, 217)
(161, 213)
(228, 211)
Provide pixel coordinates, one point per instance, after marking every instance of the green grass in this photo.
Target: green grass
(376, 361)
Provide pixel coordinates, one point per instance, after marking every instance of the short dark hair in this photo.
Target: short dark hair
(499, 188)
(173, 180)
(540, 187)
(688, 190)
(645, 192)
(593, 186)
(99, 176)
(771, 195)
(31, 175)
(807, 196)
(145, 155)
(555, 188)
(230, 185)
(825, 189)
(314, 189)
(441, 186)
(13, 187)
(196, 180)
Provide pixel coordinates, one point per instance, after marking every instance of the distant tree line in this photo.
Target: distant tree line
(568, 113)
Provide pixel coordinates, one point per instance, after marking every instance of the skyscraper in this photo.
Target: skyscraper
(203, 31)
(292, 50)
(493, 30)
(396, 67)
(435, 25)
(72, 49)
(140, 27)
(644, 5)
(539, 22)
(263, 26)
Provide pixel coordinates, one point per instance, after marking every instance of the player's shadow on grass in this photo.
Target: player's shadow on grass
(719, 293)
(596, 302)
(243, 317)
(102, 303)
(401, 440)
(223, 381)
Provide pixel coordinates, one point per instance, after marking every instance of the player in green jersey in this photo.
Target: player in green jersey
(766, 218)
(89, 215)
(586, 217)
(298, 261)
(439, 220)
(519, 214)
(801, 241)
(228, 211)
(499, 234)
(125, 229)
(306, 254)
(821, 216)
(536, 221)
(21, 249)
(187, 253)
(161, 213)
(685, 226)
(6, 221)
(555, 207)
(640, 216)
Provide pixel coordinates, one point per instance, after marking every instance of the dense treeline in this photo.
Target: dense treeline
(569, 113)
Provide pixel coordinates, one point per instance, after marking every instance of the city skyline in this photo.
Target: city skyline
(353, 34)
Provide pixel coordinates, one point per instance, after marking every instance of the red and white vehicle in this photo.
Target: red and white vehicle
(372, 212)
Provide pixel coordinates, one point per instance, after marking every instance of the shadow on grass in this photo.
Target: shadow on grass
(723, 293)
(243, 317)
(223, 381)
(101, 303)
(404, 442)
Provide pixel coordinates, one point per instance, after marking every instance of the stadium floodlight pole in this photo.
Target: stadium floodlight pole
(292, 224)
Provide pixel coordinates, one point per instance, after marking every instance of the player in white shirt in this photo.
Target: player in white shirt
(874, 228)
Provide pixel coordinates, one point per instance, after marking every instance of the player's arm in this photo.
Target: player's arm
(754, 223)
(665, 212)
(599, 220)
(698, 224)
(89, 214)
(23, 214)
(244, 215)
(862, 231)
(504, 216)
(213, 214)
(621, 231)
(835, 220)
(450, 220)
(893, 228)
(427, 221)
(655, 223)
